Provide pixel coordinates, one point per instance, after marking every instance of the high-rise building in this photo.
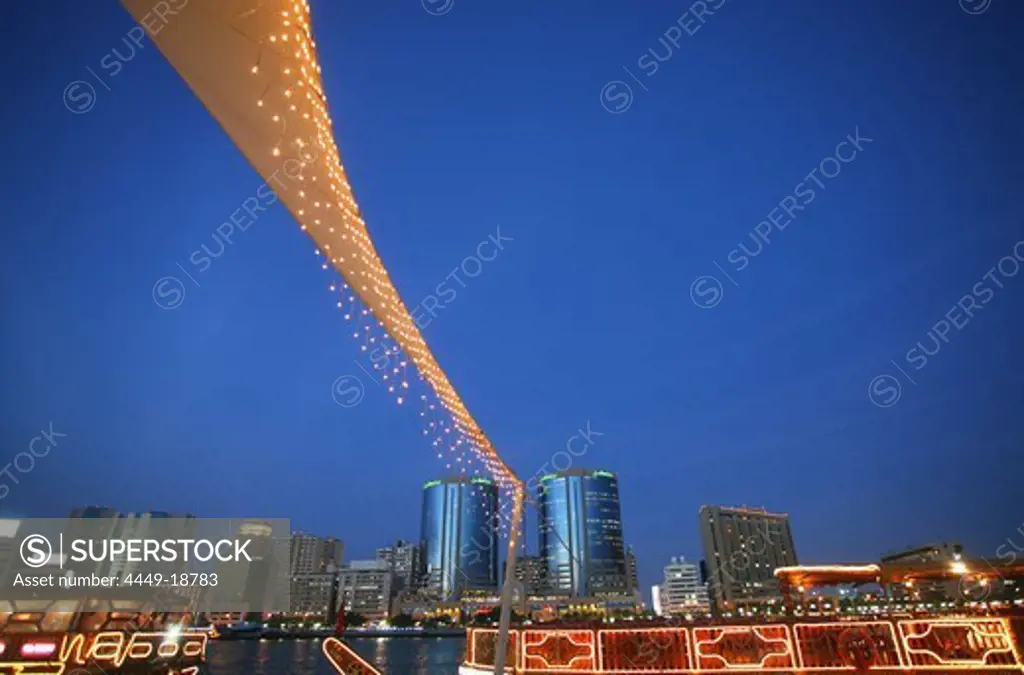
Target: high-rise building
(632, 573)
(581, 533)
(266, 572)
(742, 549)
(364, 587)
(682, 591)
(311, 554)
(459, 534)
(531, 571)
(405, 559)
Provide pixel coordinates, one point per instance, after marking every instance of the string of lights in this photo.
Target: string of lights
(254, 65)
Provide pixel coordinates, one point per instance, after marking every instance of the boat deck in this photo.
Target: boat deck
(82, 643)
(935, 645)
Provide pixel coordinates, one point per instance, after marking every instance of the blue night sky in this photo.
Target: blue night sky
(492, 116)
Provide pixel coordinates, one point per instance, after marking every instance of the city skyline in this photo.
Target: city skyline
(744, 540)
(765, 537)
(224, 406)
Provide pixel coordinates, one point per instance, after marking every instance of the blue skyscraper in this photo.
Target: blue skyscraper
(459, 535)
(581, 533)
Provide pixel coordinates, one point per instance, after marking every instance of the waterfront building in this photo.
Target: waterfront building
(364, 587)
(459, 533)
(315, 595)
(405, 559)
(742, 549)
(530, 570)
(581, 534)
(267, 572)
(682, 591)
(311, 554)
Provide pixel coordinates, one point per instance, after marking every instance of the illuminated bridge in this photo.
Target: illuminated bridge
(253, 64)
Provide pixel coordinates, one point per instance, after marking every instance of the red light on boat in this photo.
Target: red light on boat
(3, 648)
(38, 648)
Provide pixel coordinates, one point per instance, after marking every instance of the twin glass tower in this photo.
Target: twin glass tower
(580, 528)
(459, 535)
(581, 534)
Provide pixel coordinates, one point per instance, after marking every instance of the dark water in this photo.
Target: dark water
(393, 656)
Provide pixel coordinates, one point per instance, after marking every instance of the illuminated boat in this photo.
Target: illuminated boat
(34, 641)
(977, 637)
(885, 646)
(983, 639)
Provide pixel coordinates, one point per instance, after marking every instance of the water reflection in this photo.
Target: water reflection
(394, 656)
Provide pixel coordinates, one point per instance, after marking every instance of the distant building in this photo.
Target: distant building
(682, 591)
(315, 595)
(142, 526)
(926, 553)
(241, 582)
(656, 600)
(705, 576)
(73, 530)
(364, 587)
(742, 549)
(581, 534)
(10, 558)
(530, 570)
(313, 564)
(632, 573)
(459, 532)
(12, 563)
(927, 591)
(311, 554)
(406, 561)
(107, 512)
(136, 525)
(94, 512)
